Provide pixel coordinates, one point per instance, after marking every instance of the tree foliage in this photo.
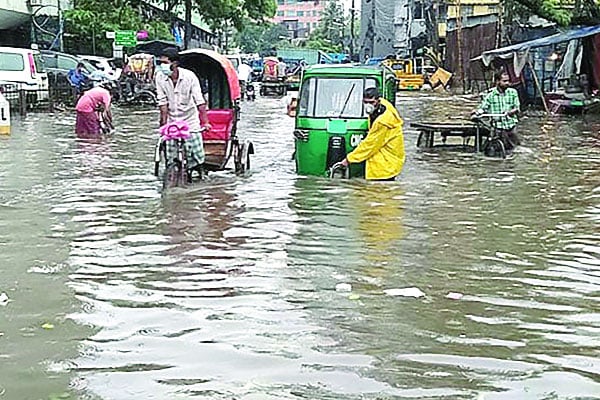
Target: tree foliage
(329, 35)
(260, 38)
(91, 18)
(87, 23)
(562, 12)
(234, 12)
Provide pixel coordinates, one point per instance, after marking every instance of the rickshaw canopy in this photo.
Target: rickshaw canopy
(210, 65)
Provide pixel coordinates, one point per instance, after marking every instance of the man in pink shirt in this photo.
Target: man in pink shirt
(93, 109)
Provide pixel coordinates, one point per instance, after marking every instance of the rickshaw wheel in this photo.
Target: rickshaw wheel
(174, 176)
(241, 166)
(494, 148)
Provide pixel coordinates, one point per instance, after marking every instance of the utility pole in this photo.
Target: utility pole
(351, 49)
(459, 44)
(188, 24)
(373, 28)
(60, 27)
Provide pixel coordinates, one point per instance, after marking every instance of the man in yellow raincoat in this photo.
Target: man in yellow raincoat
(383, 148)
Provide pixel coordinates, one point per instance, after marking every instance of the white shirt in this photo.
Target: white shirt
(183, 99)
(244, 71)
(281, 67)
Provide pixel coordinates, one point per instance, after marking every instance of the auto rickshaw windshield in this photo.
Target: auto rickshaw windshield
(333, 97)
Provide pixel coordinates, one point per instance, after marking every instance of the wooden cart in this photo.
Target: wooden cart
(437, 134)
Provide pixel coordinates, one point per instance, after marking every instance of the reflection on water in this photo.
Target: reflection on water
(227, 289)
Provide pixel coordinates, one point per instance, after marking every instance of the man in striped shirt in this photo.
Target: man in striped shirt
(503, 100)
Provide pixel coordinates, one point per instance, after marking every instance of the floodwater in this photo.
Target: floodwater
(238, 287)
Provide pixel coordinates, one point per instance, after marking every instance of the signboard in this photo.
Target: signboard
(126, 38)
(110, 35)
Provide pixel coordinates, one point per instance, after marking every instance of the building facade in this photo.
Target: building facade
(377, 28)
(300, 17)
(405, 27)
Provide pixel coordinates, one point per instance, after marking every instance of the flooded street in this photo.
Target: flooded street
(227, 289)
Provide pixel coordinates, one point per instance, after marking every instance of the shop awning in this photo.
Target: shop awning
(509, 51)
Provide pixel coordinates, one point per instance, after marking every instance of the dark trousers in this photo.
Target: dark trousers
(509, 138)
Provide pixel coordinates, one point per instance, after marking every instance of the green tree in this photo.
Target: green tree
(220, 15)
(260, 38)
(329, 34)
(562, 12)
(87, 23)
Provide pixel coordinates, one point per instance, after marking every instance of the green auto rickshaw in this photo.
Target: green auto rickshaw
(330, 116)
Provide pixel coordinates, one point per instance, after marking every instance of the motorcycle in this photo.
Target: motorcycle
(250, 93)
(134, 92)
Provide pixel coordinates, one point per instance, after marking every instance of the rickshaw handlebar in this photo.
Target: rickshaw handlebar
(490, 115)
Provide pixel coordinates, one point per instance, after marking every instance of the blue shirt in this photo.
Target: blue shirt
(76, 77)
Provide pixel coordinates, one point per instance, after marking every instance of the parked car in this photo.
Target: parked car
(59, 64)
(24, 67)
(105, 64)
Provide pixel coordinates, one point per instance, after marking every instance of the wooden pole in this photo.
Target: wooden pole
(459, 44)
(537, 84)
(188, 24)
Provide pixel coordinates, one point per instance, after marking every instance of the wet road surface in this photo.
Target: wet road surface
(227, 289)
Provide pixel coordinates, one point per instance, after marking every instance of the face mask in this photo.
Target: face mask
(369, 108)
(166, 69)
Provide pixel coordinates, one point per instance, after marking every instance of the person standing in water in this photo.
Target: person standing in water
(503, 100)
(383, 147)
(93, 110)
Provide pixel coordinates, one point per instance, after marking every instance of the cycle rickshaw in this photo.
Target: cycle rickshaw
(221, 88)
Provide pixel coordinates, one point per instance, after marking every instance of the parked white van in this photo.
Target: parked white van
(24, 66)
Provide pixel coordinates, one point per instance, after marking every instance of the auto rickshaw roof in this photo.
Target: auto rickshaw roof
(343, 69)
(340, 69)
(224, 62)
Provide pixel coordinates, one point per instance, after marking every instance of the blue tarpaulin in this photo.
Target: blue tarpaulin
(508, 51)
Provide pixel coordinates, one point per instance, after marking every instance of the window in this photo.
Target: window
(49, 60)
(418, 11)
(333, 97)
(280, 13)
(467, 11)
(11, 62)
(300, 14)
(280, 2)
(66, 63)
(442, 11)
(290, 13)
(39, 63)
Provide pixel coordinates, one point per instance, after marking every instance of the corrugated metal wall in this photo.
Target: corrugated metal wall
(474, 41)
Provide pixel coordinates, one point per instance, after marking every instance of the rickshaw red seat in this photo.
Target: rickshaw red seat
(221, 121)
